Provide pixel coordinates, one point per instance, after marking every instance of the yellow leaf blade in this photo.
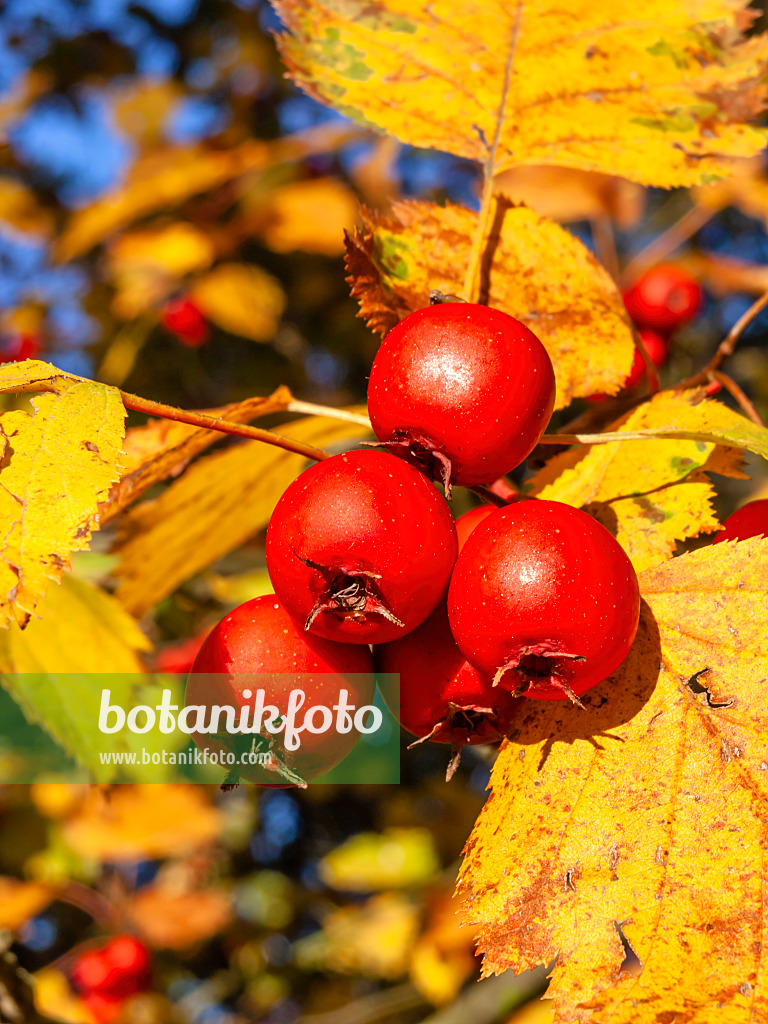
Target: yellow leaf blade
(650, 494)
(646, 812)
(657, 96)
(244, 300)
(63, 461)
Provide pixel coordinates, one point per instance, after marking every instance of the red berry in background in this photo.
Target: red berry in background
(130, 966)
(750, 520)
(464, 389)
(656, 348)
(109, 975)
(183, 318)
(360, 547)
(260, 638)
(442, 698)
(180, 657)
(103, 1008)
(91, 971)
(466, 523)
(19, 346)
(544, 599)
(663, 298)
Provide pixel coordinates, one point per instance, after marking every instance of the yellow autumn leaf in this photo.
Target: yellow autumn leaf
(135, 822)
(443, 956)
(373, 939)
(63, 461)
(21, 900)
(657, 95)
(53, 640)
(310, 216)
(539, 273)
(20, 208)
(164, 178)
(212, 509)
(537, 1011)
(397, 857)
(52, 668)
(244, 300)
(565, 194)
(707, 421)
(643, 816)
(34, 375)
(145, 265)
(160, 449)
(54, 999)
(649, 494)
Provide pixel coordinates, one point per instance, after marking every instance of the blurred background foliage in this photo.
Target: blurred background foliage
(172, 214)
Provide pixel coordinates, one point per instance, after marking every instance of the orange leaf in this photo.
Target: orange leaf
(169, 919)
(134, 822)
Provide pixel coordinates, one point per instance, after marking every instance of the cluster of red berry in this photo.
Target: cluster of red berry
(660, 301)
(362, 550)
(110, 974)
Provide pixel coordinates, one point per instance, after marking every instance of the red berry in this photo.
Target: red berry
(20, 346)
(657, 350)
(463, 389)
(750, 520)
(91, 971)
(259, 638)
(465, 524)
(663, 298)
(442, 698)
(104, 1008)
(179, 657)
(544, 597)
(131, 965)
(360, 547)
(183, 318)
(656, 347)
(109, 975)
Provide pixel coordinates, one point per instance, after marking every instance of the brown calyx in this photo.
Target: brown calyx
(539, 663)
(420, 451)
(349, 591)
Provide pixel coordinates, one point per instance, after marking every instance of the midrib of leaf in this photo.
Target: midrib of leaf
(472, 278)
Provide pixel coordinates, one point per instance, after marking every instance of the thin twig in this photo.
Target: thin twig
(199, 419)
(638, 435)
(472, 278)
(730, 385)
(667, 242)
(726, 346)
(605, 244)
(328, 410)
(484, 492)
